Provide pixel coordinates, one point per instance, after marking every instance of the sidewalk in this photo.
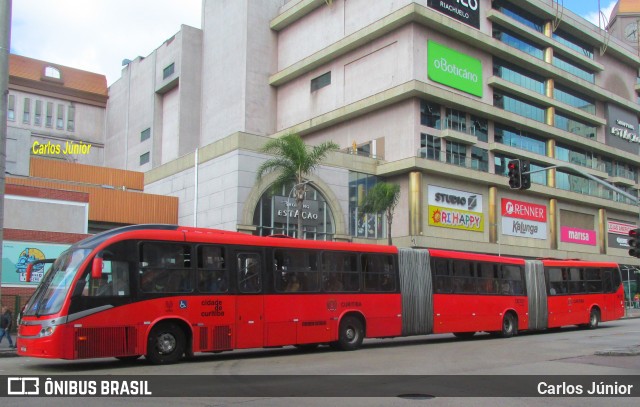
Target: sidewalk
(5, 350)
(632, 313)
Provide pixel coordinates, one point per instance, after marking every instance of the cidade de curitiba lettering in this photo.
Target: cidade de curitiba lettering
(524, 228)
(453, 69)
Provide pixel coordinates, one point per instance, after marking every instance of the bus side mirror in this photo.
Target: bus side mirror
(27, 274)
(96, 267)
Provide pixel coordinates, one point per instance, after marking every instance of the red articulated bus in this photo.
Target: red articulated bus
(166, 291)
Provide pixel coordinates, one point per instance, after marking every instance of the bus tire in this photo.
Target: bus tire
(464, 335)
(350, 333)
(509, 326)
(594, 319)
(166, 344)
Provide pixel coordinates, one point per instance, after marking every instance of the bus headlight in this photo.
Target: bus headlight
(48, 331)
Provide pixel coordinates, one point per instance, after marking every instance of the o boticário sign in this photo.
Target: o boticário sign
(454, 69)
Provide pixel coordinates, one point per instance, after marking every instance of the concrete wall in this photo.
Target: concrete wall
(41, 214)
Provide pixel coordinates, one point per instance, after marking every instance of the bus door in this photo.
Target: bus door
(611, 301)
(249, 301)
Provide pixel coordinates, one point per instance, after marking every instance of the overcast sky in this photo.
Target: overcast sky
(96, 35)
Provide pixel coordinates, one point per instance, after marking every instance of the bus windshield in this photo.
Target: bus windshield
(50, 294)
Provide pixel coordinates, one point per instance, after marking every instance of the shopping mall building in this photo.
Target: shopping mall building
(434, 95)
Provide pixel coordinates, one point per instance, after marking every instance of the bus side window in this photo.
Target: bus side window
(442, 277)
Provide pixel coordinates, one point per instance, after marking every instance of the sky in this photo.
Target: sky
(97, 35)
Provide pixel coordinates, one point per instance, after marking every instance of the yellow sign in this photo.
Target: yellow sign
(456, 219)
(70, 147)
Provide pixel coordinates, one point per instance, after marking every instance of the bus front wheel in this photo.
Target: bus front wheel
(166, 344)
(350, 334)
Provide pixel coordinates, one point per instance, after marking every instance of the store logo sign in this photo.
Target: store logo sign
(467, 11)
(454, 69)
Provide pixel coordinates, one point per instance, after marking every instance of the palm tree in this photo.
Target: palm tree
(293, 162)
(383, 197)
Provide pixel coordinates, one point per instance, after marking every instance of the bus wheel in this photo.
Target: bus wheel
(351, 333)
(464, 335)
(594, 319)
(166, 344)
(509, 327)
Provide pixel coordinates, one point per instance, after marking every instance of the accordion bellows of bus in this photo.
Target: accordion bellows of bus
(166, 291)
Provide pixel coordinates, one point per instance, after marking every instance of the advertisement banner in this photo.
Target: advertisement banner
(524, 228)
(618, 234)
(454, 69)
(578, 236)
(16, 255)
(454, 199)
(524, 210)
(455, 219)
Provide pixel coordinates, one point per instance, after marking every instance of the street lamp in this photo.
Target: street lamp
(289, 203)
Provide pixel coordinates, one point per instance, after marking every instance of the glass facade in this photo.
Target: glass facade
(271, 216)
(518, 106)
(456, 154)
(575, 126)
(518, 76)
(456, 120)
(579, 157)
(430, 114)
(430, 147)
(480, 128)
(518, 14)
(572, 42)
(574, 69)
(520, 139)
(518, 42)
(571, 98)
(362, 225)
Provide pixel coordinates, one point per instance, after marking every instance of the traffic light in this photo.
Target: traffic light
(515, 174)
(634, 242)
(525, 177)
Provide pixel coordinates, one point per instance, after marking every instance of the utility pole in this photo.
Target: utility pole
(5, 41)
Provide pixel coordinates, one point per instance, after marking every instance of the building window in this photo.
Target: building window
(429, 114)
(456, 154)
(479, 159)
(574, 69)
(572, 42)
(60, 117)
(51, 72)
(518, 106)
(49, 122)
(519, 139)
(518, 14)
(364, 225)
(574, 99)
(430, 147)
(145, 134)
(518, 76)
(456, 120)
(575, 126)
(71, 115)
(37, 118)
(480, 128)
(26, 113)
(11, 108)
(321, 81)
(579, 157)
(168, 71)
(144, 158)
(514, 40)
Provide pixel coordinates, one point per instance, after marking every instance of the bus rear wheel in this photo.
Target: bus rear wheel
(509, 327)
(594, 319)
(350, 333)
(166, 344)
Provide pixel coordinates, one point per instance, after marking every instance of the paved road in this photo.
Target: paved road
(568, 351)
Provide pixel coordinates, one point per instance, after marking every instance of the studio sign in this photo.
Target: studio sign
(624, 133)
(470, 202)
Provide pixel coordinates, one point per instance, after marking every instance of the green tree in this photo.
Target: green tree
(383, 197)
(293, 162)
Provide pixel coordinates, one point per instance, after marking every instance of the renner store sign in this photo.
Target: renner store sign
(524, 219)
